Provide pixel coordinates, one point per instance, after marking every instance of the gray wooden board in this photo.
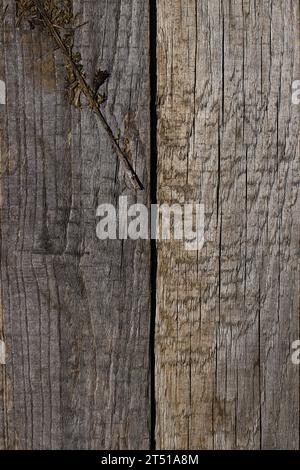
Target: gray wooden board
(75, 311)
(228, 137)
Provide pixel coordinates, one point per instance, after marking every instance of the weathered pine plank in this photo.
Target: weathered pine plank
(228, 137)
(75, 330)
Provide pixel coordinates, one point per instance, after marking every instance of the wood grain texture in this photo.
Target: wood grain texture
(76, 335)
(228, 138)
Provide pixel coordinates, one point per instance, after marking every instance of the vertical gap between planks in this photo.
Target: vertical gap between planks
(153, 195)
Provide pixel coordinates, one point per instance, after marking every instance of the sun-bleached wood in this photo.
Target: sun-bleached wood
(228, 138)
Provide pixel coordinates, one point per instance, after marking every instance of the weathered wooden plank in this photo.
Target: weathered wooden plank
(76, 333)
(228, 137)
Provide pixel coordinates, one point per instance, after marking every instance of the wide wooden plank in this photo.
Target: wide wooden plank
(75, 330)
(228, 138)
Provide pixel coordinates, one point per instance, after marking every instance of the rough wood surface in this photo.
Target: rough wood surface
(76, 333)
(228, 137)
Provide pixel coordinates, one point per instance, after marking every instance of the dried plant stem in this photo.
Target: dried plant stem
(90, 96)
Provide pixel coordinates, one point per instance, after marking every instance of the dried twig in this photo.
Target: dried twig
(57, 19)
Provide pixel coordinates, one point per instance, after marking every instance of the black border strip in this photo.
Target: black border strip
(153, 196)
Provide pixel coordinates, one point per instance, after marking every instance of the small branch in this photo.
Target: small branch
(90, 95)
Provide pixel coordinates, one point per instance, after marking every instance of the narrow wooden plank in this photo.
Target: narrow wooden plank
(75, 330)
(228, 138)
